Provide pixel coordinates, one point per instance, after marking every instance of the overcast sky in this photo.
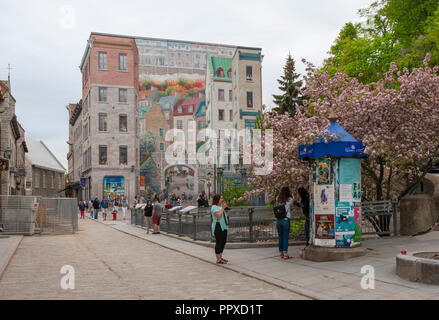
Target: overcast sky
(44, 42)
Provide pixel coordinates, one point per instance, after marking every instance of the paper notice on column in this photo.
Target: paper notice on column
(324, 200)
(346, 193)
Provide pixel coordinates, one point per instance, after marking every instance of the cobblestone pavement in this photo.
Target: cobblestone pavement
(113, 265)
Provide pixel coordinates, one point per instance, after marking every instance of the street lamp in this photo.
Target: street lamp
(243, 172)
(220, 172)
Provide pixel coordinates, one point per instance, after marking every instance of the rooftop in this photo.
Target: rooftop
(40, 156)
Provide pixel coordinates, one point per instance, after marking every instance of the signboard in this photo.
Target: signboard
(83, 181)
(114, 186)
(324, 230)
(324, 199)
(344, 224)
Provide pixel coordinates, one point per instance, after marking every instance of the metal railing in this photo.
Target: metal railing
(28, 215)
(256, 224)
(246, 224)
(380, 218)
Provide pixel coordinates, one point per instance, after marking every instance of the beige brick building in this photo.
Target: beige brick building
(12, 145)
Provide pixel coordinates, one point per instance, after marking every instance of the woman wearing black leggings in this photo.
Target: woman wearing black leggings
(220, 221)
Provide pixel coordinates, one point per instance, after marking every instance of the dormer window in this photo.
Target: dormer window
(220, 73)
(229, 73)
(180, 110)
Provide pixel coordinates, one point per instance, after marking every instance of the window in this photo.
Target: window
(230, 95)
(190, 124)
(37, 180)
(180, 148)
(180, 110)
(231, 115)
(103, 155)
(179, 124)
(85, 105)
(103, 94)
(191, 136)
(103, 122)
(229, 73)
(162, 146)
(44, 181)
(122, 62)
(249, 72)
(123, 123)
(221, 95)
(191, 109)
(122, 95)
(180, 136)
(85, 131)
(220, 114)
(162, 132)
(220, 73)
(52, 184)
(249, 99)
(102, 60)
(123, 155)
(166, 115)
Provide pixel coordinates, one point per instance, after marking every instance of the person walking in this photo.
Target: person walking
(156, 216)
(148, 215)
(104, 206)
(90, 208)
(116, 204)
(82, 209)
(220, 219)
(283, 223)
(206, 201)
(124, 207)
(304, 204)
(96, 207)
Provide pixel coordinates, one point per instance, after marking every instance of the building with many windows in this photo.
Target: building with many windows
(109, 119)
(135, 90)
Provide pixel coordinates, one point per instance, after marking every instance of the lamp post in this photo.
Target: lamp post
(220, 172)
(243, 172)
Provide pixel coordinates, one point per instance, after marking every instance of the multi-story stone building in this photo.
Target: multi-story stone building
(126, 78)
(44, 173)
(12, 145)
(110, 149)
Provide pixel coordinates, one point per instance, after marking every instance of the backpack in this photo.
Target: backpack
(280, 212)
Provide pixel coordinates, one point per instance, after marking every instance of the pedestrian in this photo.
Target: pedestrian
(124, 207)
(82, 209)
(200, 201)
(116, 204)
(304, 204)
(285, 200)
(206, 202)
(220, 219)
(90, 208)
(104, 206)
(148, 215)
(96, 207)
(156, 216)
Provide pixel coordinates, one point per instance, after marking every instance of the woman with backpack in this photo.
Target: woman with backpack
(282, 212)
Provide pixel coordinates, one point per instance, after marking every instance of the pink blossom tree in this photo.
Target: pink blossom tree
(396, 117)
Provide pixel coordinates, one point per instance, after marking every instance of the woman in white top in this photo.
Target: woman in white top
(283, 225)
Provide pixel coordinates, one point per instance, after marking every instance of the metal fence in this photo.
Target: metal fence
(28, 215)
(246, 224)
(380, 218)
(256, 224)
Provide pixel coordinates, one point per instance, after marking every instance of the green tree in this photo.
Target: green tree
(400, 31)
(289, 84)
(232, 193)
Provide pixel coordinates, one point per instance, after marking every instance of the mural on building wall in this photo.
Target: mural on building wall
(180, 180)
(185, 86)
(114, 187)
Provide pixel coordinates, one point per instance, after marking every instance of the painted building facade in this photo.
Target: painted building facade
(160, 77)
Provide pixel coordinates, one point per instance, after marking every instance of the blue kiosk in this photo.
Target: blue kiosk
(335, 195)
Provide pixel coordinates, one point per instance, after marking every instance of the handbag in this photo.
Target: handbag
(280, 212)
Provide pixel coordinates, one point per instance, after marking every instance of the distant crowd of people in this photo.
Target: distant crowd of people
(93, 207)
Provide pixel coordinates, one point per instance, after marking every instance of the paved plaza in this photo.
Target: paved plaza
(116, 260)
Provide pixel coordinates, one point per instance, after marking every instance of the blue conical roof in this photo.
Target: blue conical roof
(344, 146)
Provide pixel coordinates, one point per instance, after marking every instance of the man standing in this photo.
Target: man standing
(104, 206)
(96, 207)
(156, 216)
